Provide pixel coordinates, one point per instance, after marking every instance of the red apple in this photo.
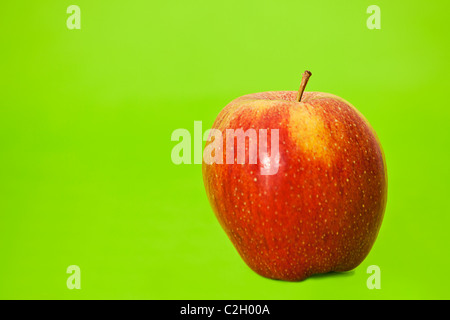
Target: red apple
(322, 209)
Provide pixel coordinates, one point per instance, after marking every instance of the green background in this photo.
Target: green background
(86, 116)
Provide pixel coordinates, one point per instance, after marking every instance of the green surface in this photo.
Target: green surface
(86, 117)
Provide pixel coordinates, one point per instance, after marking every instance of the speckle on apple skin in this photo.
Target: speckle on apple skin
(323, 209)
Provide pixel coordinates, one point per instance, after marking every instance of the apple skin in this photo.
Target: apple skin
(323, 209)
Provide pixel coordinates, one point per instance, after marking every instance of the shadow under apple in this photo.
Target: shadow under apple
(332, 274)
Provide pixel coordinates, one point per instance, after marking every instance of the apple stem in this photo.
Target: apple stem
(305, 78)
